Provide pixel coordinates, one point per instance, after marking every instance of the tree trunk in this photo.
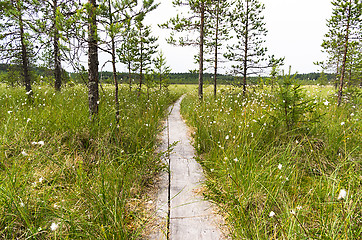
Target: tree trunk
(57, 63)
(336, 79)
(129, 76)
(160, 79)
(93, 95)
(216, 46)
(246, 48)
(114, 64)
(201, 44)
(141, 64)
(141, 72)
(341, 82)
(24, 56)
(115, 79)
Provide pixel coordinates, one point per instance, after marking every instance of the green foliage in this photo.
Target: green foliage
(150, 81)
(127, 50)
(354, 95)
(147, 47)
(293, 110)
(161, 70)
(342, 43)
(183, 25)
(249, 27)
(322, 80)
(12, 78)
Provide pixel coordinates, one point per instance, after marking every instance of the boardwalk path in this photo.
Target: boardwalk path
(191, 217)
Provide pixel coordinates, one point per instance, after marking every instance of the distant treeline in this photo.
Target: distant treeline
(175, 78)
(192, 78)
(11, 67)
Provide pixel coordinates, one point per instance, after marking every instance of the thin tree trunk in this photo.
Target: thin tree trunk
(216, 46)
(141, 64)
(57, 63)
(129, 76)
(246, 48)
(24, 56)
(93, 94)
(114, 64)
(115, 79)
(341, 82)
(336, 79)
(148, 91)
(201, 44)
(160, 79)
(141, 72)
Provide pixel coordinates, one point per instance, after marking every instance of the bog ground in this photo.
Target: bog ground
(277, 163)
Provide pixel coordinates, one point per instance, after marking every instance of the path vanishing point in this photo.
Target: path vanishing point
(183, 213)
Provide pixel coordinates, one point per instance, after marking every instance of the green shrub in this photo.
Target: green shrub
(293, 109)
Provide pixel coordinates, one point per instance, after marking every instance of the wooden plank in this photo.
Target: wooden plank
(191, 217)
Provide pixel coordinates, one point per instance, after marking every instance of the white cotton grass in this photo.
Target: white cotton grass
(271, 214)
(54, 226)
(280, 166)
(24, 153)
(342, 194)
(41, 143)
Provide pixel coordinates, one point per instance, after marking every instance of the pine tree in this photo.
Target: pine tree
(217, 32)
(117, 14)
(4, 5)
(114, 15)
(161, 70)
(16, 42)
(146, 49)
(343, 35)
(127, 50)
(187, 24)
(55, 30)
(249, 27)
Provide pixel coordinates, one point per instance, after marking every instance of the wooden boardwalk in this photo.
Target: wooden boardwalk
(186, 216)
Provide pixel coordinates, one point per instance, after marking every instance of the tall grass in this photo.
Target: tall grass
(272, 183)
(64, 177)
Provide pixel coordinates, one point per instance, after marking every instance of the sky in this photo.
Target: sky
(295, 31)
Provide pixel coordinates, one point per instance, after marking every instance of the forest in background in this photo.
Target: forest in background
(173, 78)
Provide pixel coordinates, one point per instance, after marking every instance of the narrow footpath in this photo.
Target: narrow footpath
(183, 214)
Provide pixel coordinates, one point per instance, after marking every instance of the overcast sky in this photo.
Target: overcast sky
(295, 31)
